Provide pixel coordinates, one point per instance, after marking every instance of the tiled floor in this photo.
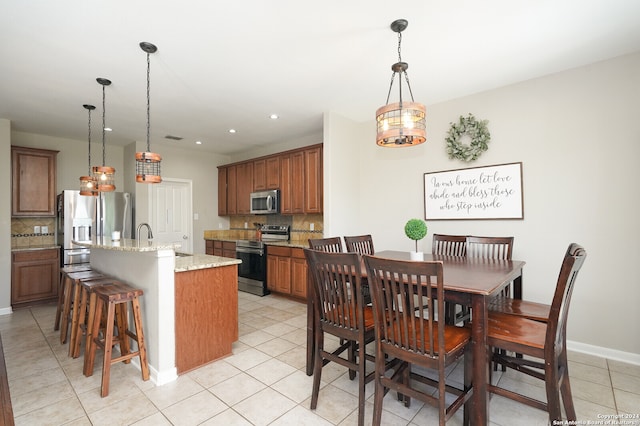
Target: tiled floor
(262, 383)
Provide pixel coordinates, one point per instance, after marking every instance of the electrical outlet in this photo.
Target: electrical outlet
(36, 230)
(246, 225)
(312, 226)
(44, 229)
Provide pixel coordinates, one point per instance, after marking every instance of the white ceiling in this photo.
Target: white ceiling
(230, 64)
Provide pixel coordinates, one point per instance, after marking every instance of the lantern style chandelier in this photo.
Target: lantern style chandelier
(148, 163)
(402, 123)
(87, 183)
(104, 176)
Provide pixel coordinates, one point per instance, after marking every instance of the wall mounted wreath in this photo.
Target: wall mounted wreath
(476, 130)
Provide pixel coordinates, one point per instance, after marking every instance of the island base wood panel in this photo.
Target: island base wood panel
(206, 318)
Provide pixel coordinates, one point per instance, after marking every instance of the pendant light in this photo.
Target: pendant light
(87, 183)
(402, 123)
(148, 163)
(104, 175)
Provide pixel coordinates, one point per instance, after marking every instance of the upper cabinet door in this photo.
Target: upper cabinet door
(273, 173)
(313, 180)
(222, 191)
(33, 174)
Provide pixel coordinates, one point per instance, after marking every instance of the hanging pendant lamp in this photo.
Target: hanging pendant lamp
(87, 183)
(402, 123)
(104, 175)
(148, 163)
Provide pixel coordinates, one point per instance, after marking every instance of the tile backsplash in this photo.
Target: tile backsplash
(300, 226)
(23, 232)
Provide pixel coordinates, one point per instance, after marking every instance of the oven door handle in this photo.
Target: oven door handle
(259, 252)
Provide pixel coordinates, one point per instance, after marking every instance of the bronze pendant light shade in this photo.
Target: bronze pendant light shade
(148, 163)
(87, 183)
(104, 176)
(402, 123)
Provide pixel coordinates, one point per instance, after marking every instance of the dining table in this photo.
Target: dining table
(468, 281)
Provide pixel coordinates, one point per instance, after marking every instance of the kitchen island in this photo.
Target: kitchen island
(189, 306)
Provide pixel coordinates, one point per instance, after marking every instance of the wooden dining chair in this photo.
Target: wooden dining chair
(451, 245)
(331, 244)
(339, 310)
(362, 244)
(499, 248)
(406, 297)
(544, 344)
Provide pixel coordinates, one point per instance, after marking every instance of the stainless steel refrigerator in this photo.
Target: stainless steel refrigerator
(81, 218)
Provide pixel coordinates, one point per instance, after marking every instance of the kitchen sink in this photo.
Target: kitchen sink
(178, 254)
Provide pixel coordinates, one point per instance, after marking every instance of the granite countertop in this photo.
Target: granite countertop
(126, 244)
(202, 261)
(43, 247)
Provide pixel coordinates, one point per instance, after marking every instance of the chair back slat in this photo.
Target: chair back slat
(449, 245)
(362, 244)
(406, 298)
(337, 294)
(557, 323)
(499, 248)
(330, 245)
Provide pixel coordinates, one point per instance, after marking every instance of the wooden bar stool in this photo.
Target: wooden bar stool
(63, 273)
(83, 314)
(115, 298)
(71, 297)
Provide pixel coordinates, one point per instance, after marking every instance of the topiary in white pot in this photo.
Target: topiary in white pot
(416, 230)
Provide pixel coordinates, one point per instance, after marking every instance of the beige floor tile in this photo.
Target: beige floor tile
(237, 388)
(214, 373)
(172, 393)
(626, 382)
(279, 329)
(276, 347)
(628, 402)
(299, 416)
(256, 337)
(624, 367)
(247, 359)
(195, 409)
(590, 391)
(34, 382)
(157, 419)
(391, 405)
(264, 407)
(60, 412)
(129, 411)
(296, 386)
(334, 404)
(42, 397)
(504, 412)
(271, 371)
(296, 357)
(227, 418)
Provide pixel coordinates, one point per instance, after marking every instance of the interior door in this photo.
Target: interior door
(170, 213)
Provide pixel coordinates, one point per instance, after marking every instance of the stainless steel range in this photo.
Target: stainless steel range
(252, 272)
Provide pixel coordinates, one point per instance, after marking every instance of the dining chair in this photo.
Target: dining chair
(544, 344)
(339, 310)
(362, 244)
(406, 297)
(451, 245)
(331, 244)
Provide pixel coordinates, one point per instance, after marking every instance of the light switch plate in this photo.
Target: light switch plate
(36, 229)
(45, 229)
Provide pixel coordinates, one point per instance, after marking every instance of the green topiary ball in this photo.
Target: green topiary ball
(415, 229)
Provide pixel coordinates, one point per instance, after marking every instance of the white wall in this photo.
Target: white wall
(5, 217)
(576, 134)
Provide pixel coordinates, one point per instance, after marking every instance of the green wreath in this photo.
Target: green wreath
(476, 130)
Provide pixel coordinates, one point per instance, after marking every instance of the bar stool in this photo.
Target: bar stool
(72, 297)
(84, 313)
(63, 273)
(115, 298)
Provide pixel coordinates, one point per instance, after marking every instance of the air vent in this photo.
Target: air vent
(175, 138)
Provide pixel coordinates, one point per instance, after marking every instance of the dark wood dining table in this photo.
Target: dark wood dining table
(468, 281)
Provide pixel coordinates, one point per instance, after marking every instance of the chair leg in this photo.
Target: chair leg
(361, 380)
(378, 395)
(108, 348)
(565, 389)
(56, 324)
(80, 321)
(553, 392)
(352, 358)
(317, 365)
(142, 346)
(66, 310)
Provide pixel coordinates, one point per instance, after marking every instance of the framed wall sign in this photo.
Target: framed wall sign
(489, 192)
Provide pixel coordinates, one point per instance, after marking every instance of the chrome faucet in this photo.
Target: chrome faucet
(149, 233)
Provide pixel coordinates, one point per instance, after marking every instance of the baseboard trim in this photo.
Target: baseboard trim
(602, 352)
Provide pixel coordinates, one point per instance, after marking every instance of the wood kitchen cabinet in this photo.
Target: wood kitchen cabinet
(222, 191)
(287, 271)
(244, 188)
(221, 248)
(297, 173)
(266, 173)
(34, 276)
(33, 175)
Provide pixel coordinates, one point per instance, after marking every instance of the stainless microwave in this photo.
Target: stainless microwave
(265, 202)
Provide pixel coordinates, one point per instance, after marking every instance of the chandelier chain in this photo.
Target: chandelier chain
(89, 139)
(148, 102)
(103, 128)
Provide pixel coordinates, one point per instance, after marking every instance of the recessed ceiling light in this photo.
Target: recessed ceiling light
(274, 116)
(232, 130)
(108, 129)
(198, 142)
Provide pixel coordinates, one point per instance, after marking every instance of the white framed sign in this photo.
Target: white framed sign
(489, 192)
